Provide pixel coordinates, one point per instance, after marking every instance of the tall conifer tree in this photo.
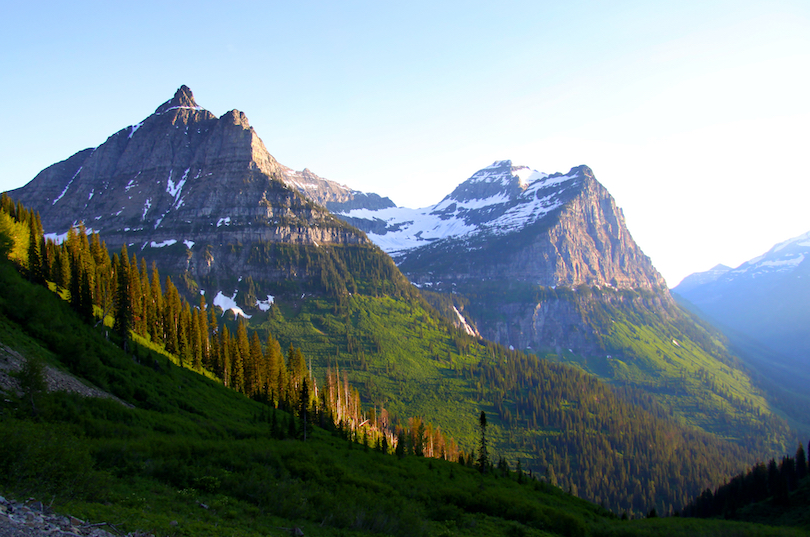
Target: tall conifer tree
(123, 306)
(483, 454)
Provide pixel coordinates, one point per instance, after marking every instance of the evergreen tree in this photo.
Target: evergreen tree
(34, 254)
(238, 357)
(550, 476)
(202, 328)
(225, 356)
(155, 312)
(183, 333)
(274, 361)
(123, 307)
(801, 463)
(75, 285)
(303, 407)
(773, 478)
(136, 297)
(171, 317)
(258, 368)
(196, 340)
(483, 454)
(85, 298)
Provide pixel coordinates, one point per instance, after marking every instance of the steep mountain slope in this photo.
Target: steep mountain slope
(762, 307)
(546, 263)
(765, 298)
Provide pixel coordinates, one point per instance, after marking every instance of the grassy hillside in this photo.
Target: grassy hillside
(784, 382)
(622, 447)
(687, 367)
(639, 340)
(187, 456)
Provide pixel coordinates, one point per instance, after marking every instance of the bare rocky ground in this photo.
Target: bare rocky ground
(32, 518)
(11, 362)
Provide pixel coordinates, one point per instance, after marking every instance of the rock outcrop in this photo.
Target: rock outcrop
(33, 518)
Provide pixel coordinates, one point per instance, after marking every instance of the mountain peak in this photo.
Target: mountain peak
(183, 98)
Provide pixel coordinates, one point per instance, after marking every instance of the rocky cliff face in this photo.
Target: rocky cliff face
(180, 174)
(507, 233)
(191, 190)
(589, 244)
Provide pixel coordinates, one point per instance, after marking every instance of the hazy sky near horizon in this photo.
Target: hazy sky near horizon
(694, 115)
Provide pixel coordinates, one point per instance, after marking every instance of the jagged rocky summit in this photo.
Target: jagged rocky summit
(203, 197)
(553, 230)
(180, 174)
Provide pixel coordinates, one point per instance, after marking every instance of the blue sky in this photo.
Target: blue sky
(693, 114)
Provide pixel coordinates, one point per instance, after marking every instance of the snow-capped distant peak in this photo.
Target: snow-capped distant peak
(497, 171)
(801, 240)
(781, 260)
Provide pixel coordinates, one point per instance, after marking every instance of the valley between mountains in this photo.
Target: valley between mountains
(521, 294)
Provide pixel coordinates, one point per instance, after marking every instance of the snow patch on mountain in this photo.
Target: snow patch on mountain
(801, 241)
(197, 108)
(174, 190)
(463, 322)
(228, 303)
(59, 238)
(264, 305)
(134, 129)
(62, 195)
(497, 200)
(146, 207)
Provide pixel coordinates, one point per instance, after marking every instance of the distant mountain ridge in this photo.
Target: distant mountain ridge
(701, 278)
(767, 298)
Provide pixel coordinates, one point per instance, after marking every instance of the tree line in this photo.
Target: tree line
(148, 308)
(605, 444)
(762, 481)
